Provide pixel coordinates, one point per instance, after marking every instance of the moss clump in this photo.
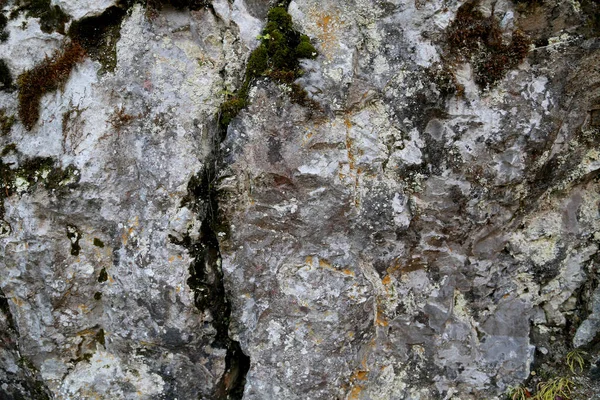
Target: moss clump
(99, 36)
(3, 22)
(8, 149)
(34, 172)
(305, 49)
(47, 77)
(285, 46)
(230, 109)
(6, 80)
(98, 243)
(52, 18)
(258, 61)
(6, 122)
(277, 57)
(479, 39)
(279, 18)
(103, 276)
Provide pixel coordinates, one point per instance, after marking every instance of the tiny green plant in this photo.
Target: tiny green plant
(575, 360)
(518, 393)
(557, 387)
(226, 93)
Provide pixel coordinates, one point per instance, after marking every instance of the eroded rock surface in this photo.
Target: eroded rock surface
(408, 233)
(408, 243)
(96, 287)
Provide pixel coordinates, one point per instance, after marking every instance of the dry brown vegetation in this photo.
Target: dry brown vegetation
(52, 74)
(479, 39)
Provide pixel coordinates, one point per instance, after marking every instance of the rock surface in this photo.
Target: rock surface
(407, 234)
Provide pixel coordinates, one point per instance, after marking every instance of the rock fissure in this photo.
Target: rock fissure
(279, 54)
(206, 276)
(99, 35)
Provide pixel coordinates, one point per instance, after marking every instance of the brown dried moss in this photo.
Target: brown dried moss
(52, 74)
(120, 119)
(479, 39)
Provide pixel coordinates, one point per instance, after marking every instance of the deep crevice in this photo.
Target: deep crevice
(280, 50)
(206, 277)
(99, 35)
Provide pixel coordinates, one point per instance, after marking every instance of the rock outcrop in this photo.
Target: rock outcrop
(412, 214)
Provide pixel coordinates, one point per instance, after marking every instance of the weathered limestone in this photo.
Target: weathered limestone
(414, 236)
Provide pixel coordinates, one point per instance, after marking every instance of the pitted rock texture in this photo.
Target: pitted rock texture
(409, 235)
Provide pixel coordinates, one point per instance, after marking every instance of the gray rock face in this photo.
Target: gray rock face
(403, 242)
(414, 236)
(96, 287)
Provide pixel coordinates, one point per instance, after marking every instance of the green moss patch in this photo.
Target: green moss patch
(52, 18)
(479, 39)
(277, 57)
(52, 74)
(6, 80)
(32, 173)
(230, 109)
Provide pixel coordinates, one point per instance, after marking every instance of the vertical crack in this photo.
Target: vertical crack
(206, 275)
(278, 57)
